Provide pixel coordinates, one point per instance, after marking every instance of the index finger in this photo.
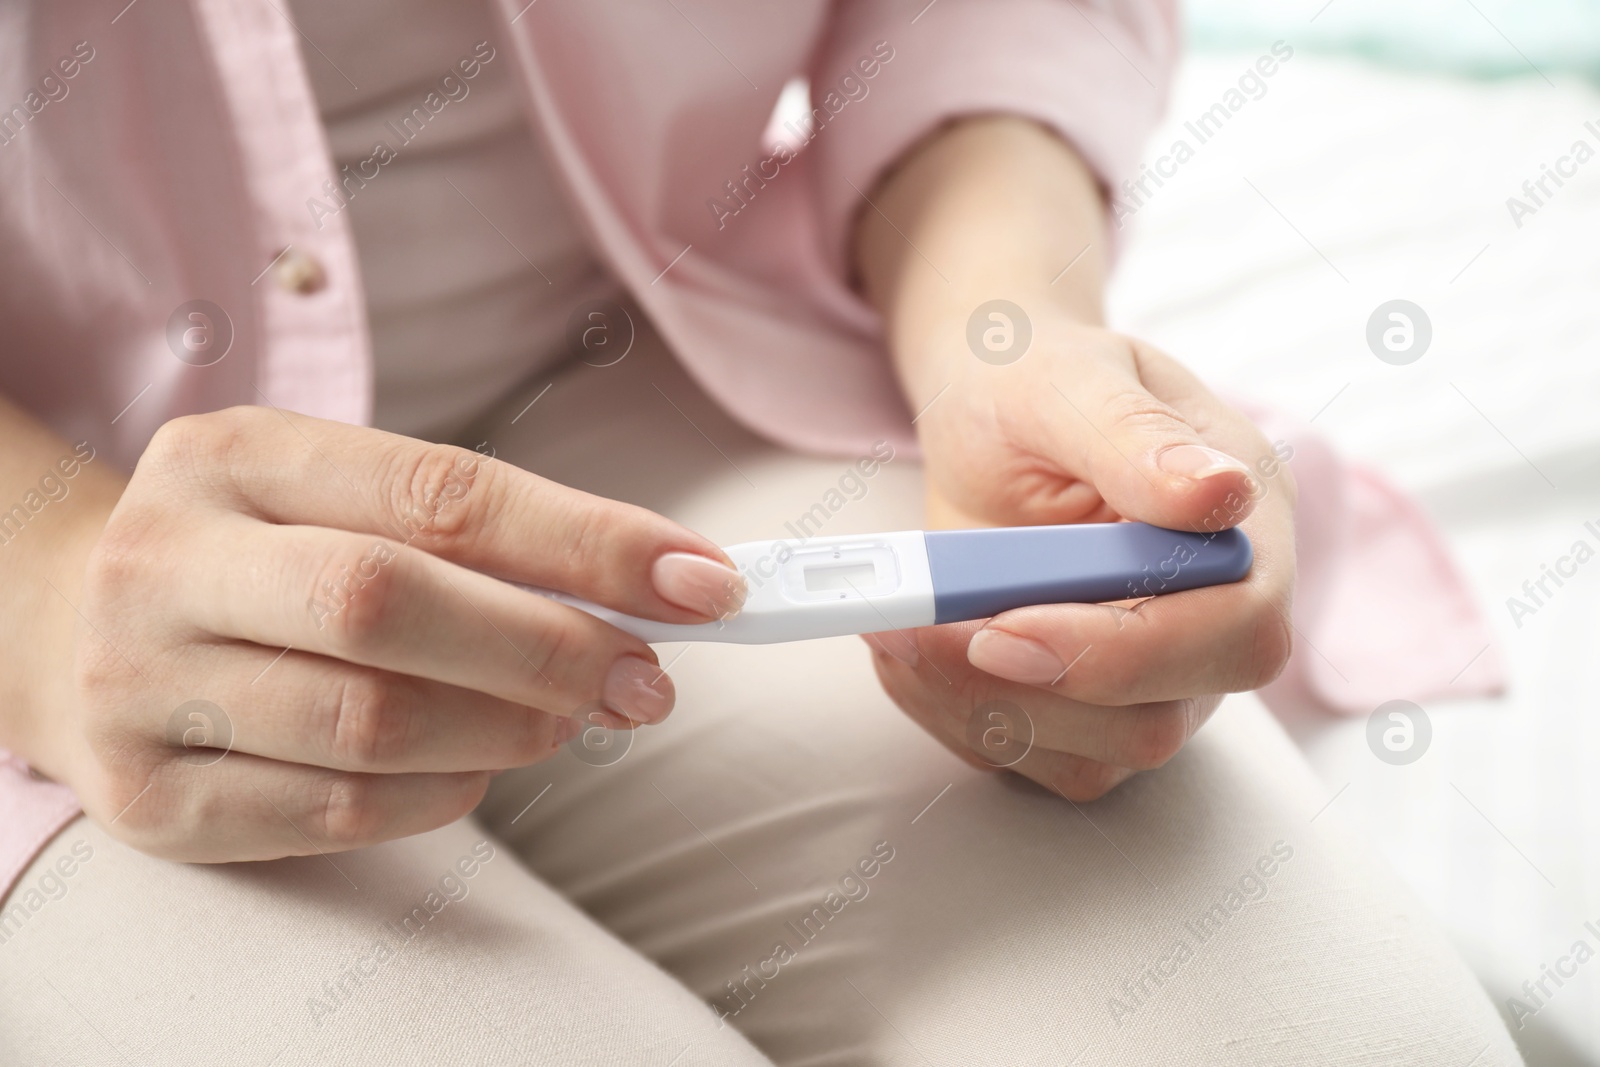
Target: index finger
(494, 517)
(1218, 639)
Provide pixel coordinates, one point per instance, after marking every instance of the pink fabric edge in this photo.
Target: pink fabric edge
(32, 812)
(1382, 612)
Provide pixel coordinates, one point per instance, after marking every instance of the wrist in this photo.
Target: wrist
(965, 344)
(45, 567)
(991, 208)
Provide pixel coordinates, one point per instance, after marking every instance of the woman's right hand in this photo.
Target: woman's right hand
(328, 588)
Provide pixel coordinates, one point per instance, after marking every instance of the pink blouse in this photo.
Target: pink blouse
(135, 184)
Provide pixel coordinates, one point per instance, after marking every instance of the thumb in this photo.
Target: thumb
(1144, 457)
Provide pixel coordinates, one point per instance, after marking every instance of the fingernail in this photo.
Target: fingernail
(699, 584)
(1016, 659)
(1198, 461)
(902, 646)
(638, 689)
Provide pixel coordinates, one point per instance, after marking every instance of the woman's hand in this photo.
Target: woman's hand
(1091, 426)
(1084, 425)
(325, 590)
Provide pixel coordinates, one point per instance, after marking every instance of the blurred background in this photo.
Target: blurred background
(1380, 162)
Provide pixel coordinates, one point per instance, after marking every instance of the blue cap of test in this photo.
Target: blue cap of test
(980, 573)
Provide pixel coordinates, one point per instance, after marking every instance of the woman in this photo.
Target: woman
(261, 257)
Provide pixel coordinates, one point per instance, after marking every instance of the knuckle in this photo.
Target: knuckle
(431, 497)
(204, 452)
(119, 793)
(372, 724)
(352, 594)
(349, 815)
(120, 555)
(100, 669)
(1081, 780)
(179, 440)
(94, 672)
(144, 799)
(1155, 734)
(1134, 411)
(192, 440)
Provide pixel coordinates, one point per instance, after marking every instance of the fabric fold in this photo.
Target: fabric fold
(1381, 611)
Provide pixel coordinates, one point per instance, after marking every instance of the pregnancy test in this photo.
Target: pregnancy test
(867, 583)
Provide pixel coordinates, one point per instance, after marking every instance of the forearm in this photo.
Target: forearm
(987, 208)
(49, 519)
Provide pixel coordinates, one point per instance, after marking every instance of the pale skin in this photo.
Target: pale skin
(403, 690)
(1088, 426)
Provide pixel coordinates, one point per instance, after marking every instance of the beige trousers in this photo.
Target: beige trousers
(786, 871)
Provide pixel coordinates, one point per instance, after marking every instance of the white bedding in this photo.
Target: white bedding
(1397, 186)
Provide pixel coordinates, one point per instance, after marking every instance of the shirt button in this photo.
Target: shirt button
(299, 272)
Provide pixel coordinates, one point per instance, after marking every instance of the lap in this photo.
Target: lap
(440, 948)
(787, 848)
(843, 890)
(1198, 913)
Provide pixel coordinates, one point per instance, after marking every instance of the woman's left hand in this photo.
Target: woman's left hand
(985, 252)
(1092, 426)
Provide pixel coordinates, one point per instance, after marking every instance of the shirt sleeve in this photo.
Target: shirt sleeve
(1097, 73)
